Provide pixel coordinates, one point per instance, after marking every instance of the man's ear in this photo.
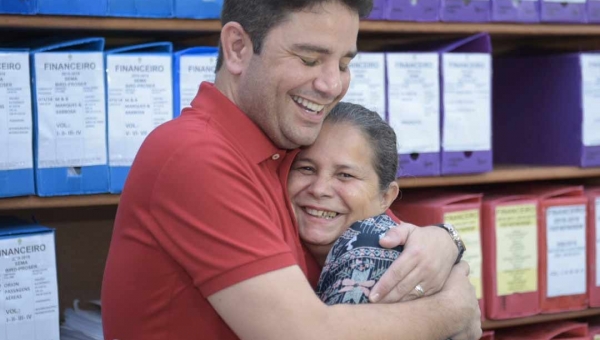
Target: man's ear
(389, 196)
(237, 47)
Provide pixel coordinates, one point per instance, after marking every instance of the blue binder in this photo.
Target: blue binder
(16, 166)
(73, 7)
(128, 138)
(141, 8)
(200, 65)
(18, 6)
(72, 176)
(198, 9)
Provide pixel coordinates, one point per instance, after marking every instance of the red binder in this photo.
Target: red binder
(561, 240)
(460, 209)
(488, 335)
(564, 330)
(594, 331)
(593, 195)
(510, 256)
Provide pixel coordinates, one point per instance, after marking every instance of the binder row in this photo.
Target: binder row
(532, 249)
(437, 98)
(29, 280)
(191, 9)
(75, 128)
(526, 11)
(73, 116)
(457, 110)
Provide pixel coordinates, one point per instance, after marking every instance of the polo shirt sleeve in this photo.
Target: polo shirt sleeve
(210, 216)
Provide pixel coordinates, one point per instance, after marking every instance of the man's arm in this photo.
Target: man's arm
(427, 259)
(281, 305)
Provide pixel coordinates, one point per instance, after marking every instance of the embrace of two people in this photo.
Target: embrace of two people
(230, 211)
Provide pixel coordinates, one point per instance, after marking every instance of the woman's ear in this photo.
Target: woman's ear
(389, 196)
(237, 47)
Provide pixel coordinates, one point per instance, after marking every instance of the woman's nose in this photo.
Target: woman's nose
(320, 187)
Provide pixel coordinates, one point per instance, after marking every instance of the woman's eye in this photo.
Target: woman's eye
(305, 169)
(346, 175)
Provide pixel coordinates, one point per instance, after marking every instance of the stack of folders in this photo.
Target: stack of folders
(82, 324)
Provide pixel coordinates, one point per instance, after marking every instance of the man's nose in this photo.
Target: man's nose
(329, 81)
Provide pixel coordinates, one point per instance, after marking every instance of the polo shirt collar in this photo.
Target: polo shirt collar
(236, 124)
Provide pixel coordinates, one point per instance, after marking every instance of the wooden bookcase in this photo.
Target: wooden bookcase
(84, 223)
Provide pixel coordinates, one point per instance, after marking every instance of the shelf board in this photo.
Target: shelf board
(502, 174)
(34, 202)
(471, 28)
(108, 23)
(496, 324)
(213, 26)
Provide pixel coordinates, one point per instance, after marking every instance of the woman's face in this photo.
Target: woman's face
(333, 184)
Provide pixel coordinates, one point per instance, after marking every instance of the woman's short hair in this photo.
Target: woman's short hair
(381, 137)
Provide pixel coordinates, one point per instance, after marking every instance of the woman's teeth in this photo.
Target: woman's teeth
(321, 213)
(314, 107)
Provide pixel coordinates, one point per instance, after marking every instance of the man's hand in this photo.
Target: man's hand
(428, 256)
(459, 293)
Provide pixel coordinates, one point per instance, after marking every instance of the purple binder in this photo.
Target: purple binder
(414, 162)
(538, 111)
(466, 161)
(413, 10)
(451, 161)
(378, 12)
(516, 11)
(465, 10)
(552, 11)
(593, 11)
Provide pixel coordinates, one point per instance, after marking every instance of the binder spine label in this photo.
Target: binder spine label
(414, 100)
(16, 151)
(590, 71)
(467, 222)
(467, 100)
(516, 249)
(193, 70)
(29, 294)
(71, 109)
(140, 98)
(565, 238)
(367, 87)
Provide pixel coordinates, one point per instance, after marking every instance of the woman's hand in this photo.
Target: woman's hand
(427, 259)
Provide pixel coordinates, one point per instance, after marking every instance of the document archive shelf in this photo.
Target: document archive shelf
(213, 26)
(501, 174)
(84, 223)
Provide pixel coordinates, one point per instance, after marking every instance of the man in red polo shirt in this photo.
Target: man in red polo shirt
(205, 245)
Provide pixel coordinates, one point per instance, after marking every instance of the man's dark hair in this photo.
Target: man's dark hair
(258, 17)
(381, 137)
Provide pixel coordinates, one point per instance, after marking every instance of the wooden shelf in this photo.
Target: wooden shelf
(502, 174)
(108, 23)
(34, 202)
(213, 26)
(471, 28)
(496, 324)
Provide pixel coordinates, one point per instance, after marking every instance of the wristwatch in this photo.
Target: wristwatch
(456, 238)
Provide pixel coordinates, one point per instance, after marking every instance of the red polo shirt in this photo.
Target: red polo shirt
(205, 206)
